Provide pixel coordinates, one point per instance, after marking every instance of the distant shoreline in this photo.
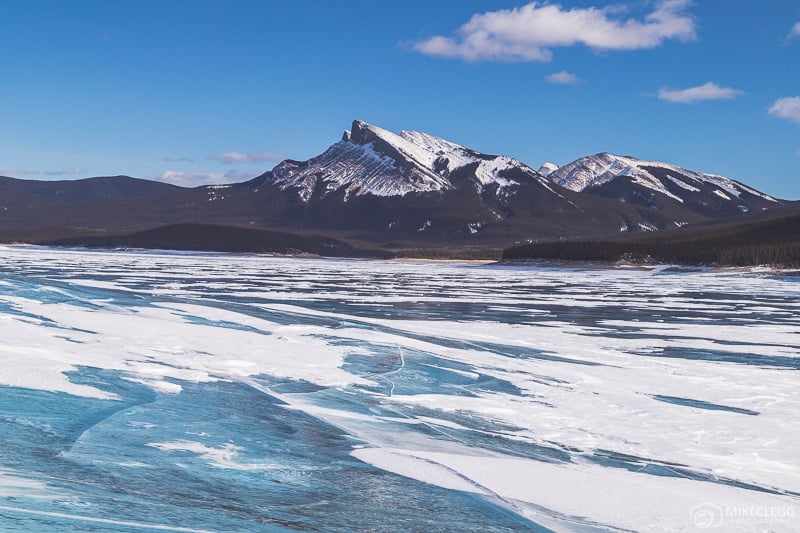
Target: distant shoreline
(660, 267)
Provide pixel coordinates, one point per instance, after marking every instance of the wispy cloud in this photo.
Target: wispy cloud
(178, 160)
(702, 93)
(563, 78)
(17, 172)
(194, 179)
(242, 175)
(794, 32)
(64, 172)
(189, 179)
(786, 108)
(235, 158)
(529, 32)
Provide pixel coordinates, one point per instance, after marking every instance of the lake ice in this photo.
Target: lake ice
(180, 392)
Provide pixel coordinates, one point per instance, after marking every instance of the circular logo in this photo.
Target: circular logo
(706, 515)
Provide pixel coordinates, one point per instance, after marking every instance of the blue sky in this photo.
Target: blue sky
(195, 92)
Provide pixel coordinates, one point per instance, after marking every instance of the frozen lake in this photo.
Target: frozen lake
(166, 392)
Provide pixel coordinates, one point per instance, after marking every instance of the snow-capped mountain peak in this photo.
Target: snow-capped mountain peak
(372, 160)
(414, 168)
(593, 171)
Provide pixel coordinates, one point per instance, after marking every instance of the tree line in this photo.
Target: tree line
(774, 242)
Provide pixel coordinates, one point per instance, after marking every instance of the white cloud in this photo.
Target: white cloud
(16, 172)
(563, 78)
(64, 172)
(194, 179)
(786, 108)
(707, 91)
(527, 33)
(242, 175)
(795, 31)
(189, 179)
(234, 158)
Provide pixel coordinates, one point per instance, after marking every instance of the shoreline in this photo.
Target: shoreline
(515, 263)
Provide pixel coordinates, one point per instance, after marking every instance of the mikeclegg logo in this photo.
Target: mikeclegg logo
(706, 515)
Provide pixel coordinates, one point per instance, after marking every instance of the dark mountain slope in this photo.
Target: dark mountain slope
(35, 193)
(217, 238)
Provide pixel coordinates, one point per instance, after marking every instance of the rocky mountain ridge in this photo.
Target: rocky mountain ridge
(391, 190)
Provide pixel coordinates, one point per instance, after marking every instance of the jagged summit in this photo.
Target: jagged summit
(371, 160)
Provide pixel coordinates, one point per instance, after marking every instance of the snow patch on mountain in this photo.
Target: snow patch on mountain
(360, 169)
(547, 168)
(426, 149)
(721, 194)
(489, 171)
(682, 184)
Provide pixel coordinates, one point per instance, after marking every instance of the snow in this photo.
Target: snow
(475, 227)
(221, 457)
(359, 168)
(33, 356)
(15, 485)
(597, 170)
(420, 162)
(682, 184)
(547, 168)
(494, 364)
(488, 172)
(721, 194)
(362, 169)
(594, 171)
(645, 226)
(637, 502)
(425, 148)
(81, 520)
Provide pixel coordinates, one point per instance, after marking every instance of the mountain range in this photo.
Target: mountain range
(396, 191)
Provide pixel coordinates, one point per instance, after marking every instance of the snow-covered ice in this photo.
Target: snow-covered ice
(216, 392)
